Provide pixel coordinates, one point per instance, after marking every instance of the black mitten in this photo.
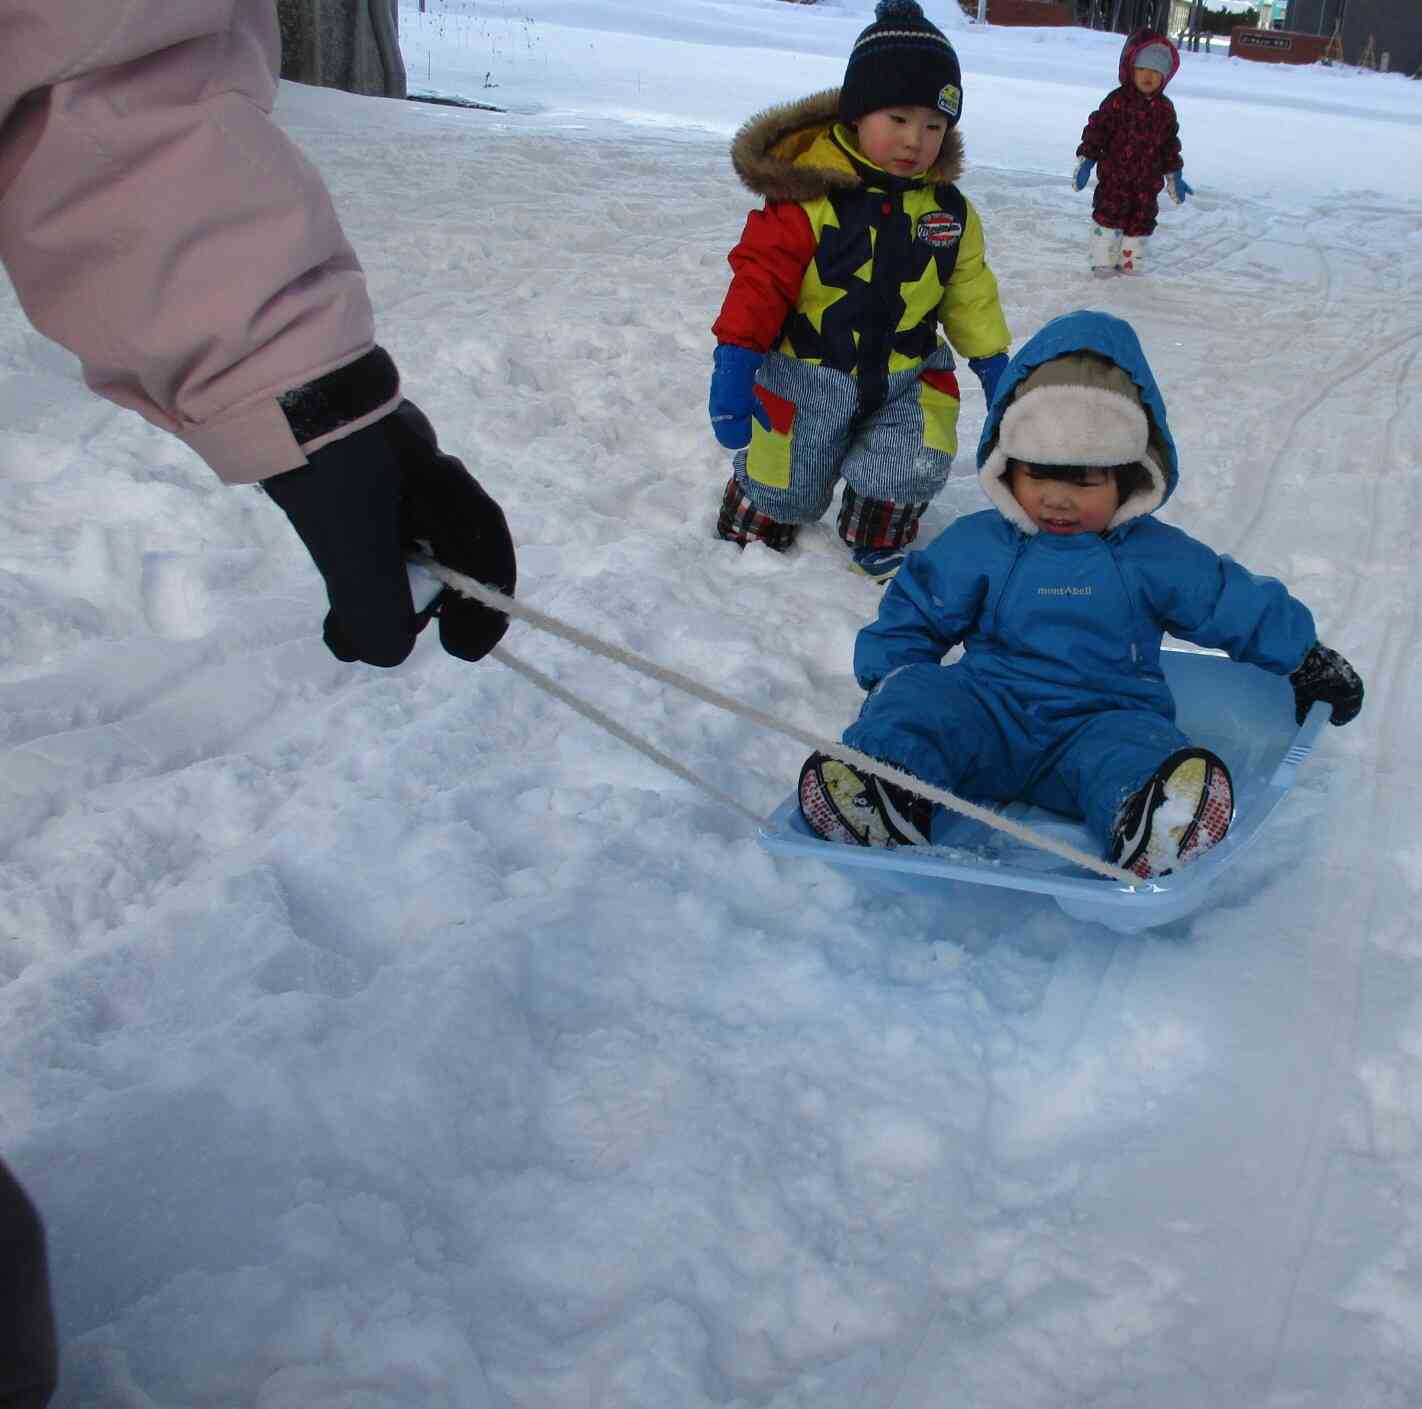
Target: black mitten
(445, 513)
(1325, 675)
(362, 504)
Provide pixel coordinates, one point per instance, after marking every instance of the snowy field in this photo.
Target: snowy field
(398, 1040)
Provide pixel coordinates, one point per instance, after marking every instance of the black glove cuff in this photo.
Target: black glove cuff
(324, 406)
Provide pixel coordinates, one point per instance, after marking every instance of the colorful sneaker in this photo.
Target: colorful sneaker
(1179, 814)
(880, 564)
(840, 804)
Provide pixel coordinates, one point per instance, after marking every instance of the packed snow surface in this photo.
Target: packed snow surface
(393, 1040)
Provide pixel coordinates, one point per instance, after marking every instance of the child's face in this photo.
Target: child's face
(1147, 81)
(903, 141)
(1064, 506)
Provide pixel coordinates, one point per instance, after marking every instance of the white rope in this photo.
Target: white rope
(588, 711)
(469, 587)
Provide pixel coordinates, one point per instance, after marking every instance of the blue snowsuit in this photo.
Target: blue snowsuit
(1059, 698)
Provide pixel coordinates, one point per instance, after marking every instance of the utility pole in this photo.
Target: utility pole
(1193, 37)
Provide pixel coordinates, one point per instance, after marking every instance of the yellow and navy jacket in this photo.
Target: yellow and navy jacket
(849, 266)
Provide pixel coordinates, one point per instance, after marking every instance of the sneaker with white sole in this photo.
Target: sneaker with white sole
(1184, 809)
(879, 564)
(841, 804)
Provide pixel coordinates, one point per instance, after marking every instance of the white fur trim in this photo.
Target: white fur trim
(1074, 425)
(1144, 501)
(995, 486)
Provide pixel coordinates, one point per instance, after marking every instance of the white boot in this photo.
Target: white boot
(1133, 248)
(1104, 250)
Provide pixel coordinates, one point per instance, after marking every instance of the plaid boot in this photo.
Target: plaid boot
(741, 522)
(878, 532)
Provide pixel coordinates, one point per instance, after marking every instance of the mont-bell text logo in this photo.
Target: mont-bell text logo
(939, 228)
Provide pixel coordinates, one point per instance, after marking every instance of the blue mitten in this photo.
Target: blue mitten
(1175, 185)
(989, 370)
(733, 394)
(1082, 174)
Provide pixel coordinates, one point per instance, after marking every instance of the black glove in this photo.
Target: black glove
(1325, 675)
(363, 504)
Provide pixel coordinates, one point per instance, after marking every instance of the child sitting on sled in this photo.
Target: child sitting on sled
(1060, 595)
(828, 363)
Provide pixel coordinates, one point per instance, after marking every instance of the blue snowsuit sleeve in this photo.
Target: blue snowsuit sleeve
(1210, 599)
(926, 610)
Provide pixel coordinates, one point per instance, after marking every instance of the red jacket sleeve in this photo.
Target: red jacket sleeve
(768, 265)
(1099, 130)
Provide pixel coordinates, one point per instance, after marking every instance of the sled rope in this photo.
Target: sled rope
(541, 621)
(604, 721)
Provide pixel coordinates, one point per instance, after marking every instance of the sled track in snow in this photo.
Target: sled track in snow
(1351, 913)
(1340, 312)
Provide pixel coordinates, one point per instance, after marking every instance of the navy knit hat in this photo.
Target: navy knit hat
(901, 60)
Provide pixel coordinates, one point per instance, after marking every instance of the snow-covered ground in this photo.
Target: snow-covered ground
(390, 1040)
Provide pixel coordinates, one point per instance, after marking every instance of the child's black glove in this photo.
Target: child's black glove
(1325, 675)
(363, 504)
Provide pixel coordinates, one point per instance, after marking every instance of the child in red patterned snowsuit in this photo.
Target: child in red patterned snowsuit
(1135, 139)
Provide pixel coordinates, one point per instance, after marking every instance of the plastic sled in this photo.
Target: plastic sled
(1246, 715)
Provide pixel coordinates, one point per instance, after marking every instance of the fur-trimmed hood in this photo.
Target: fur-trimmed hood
(792, 152)
(1105, 414)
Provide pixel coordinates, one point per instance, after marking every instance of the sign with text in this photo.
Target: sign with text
(1276, 46)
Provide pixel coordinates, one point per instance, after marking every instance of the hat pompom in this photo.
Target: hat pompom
(901, 10)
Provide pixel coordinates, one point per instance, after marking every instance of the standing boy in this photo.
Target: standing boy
(829, 365)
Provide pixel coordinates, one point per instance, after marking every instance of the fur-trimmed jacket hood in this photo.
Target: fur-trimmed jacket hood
(800, 151)
(1104, 408)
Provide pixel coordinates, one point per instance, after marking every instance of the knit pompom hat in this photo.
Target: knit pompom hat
(1078, 409)
(901, 60)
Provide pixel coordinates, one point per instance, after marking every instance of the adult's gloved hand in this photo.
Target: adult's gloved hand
(29, 1361)
(988, 371)
(1082, 174)
(1325, 675)
(732, 401)
(363, 504)
(1176, 186)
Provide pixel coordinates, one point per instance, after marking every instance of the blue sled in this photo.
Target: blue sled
(1246, 715)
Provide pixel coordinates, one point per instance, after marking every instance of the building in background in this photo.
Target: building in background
(1394, 27)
